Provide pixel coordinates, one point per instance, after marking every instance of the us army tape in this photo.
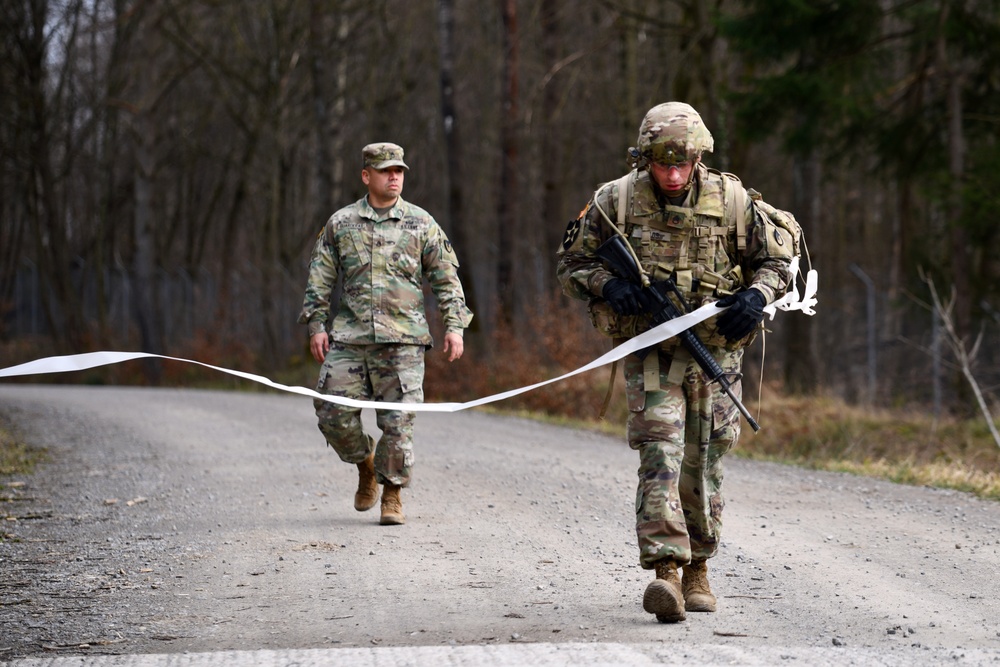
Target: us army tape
(79, 362)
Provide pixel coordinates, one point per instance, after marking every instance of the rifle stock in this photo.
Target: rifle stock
(617, 257)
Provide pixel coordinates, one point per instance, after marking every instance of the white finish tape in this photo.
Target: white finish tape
(79, 362)
(791, 299)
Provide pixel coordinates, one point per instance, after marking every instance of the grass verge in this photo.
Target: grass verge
(821, 433)
(900, 445)
(16, 457)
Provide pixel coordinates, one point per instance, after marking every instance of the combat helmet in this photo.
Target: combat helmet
(671, 133)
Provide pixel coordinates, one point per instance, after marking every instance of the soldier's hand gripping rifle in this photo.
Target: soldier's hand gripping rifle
(616, 255)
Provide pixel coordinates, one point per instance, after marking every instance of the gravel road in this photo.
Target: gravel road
(173, 521)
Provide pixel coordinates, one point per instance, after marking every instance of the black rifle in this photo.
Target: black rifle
(621, 262)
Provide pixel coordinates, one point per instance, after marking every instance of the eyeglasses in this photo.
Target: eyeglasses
(681, 166)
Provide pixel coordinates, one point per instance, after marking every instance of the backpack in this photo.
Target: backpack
(791, 300)
(780, 218)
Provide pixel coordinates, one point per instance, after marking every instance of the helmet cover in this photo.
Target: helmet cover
(672, 133)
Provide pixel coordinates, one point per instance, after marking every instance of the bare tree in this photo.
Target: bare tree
(953, 79)
(510, 233)
(319, 34)
(454, 221)
(801, 365)
(963, 356)
(143, 100)
(41, 135)
(191, 150)
(553, 209)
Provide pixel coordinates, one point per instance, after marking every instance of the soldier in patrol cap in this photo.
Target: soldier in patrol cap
(696, 226)
(372, 348)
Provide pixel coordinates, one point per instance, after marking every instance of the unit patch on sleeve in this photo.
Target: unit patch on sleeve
(572, 234)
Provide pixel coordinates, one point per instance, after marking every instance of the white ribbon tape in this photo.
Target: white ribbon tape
(79, 362)
(791, 299)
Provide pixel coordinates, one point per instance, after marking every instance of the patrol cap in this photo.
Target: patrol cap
(382, 156)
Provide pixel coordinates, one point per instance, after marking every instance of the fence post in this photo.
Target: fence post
(872, 338)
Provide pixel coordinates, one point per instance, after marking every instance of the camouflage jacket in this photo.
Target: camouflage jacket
(383, 262)
(695, 244)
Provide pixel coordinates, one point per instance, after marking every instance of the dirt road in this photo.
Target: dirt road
(178, 520)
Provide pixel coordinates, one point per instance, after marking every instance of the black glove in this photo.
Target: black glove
(746, 313)
(648, 301)
(625, 297)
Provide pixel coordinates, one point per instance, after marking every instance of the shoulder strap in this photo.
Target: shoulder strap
(625, 185)
(739, 209)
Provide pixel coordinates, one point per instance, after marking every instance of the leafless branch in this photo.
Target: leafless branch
(957, 346)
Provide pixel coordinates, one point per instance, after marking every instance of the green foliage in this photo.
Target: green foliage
(877, 86)
(805, 58)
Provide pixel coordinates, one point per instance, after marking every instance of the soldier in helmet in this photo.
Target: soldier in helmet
(696, 226)
(372, 348)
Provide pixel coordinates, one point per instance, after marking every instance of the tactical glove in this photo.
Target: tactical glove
(648, 301)
(624, 297)
(745, 313)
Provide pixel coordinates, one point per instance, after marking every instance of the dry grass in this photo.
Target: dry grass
(826, 434)
(16, 457)
(901, 445)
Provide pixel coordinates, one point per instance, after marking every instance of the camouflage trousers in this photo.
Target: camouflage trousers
(681, 429)
(381, 372)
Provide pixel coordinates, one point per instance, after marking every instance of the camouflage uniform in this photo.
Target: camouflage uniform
(679, 423)
(380, 333)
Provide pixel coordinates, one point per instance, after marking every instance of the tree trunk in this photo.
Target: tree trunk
(144, 138)
(321, 113)
(509, 229)
(108, 136)
(630, 112)
(960, 272)
(454, 223)
(705, 36)
(63, 310)
(801, 366)
(144, 300)
(553, 210)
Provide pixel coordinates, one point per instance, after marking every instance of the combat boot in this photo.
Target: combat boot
(697, 594)
(392, 506)
(663, 596)
(367, 494)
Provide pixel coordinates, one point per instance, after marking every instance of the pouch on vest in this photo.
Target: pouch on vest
(776, 221)
(611, 324)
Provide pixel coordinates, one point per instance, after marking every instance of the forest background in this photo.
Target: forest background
(165, 167)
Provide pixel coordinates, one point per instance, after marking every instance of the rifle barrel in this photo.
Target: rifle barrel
(739, 405)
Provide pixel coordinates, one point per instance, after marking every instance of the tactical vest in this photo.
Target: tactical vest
(697, 247)
(693, 246)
